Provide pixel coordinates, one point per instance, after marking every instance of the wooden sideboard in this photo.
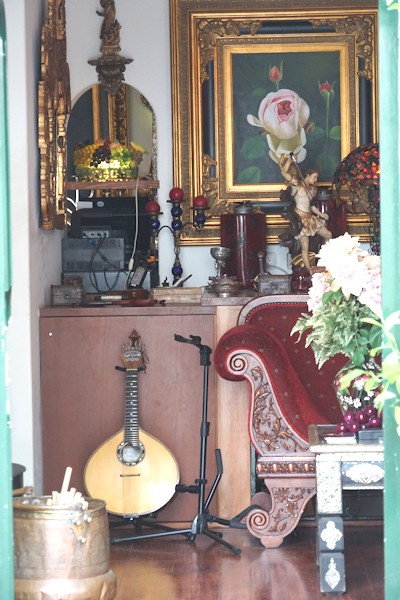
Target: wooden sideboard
(83, 395)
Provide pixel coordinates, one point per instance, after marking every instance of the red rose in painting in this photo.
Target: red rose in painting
(326, 90)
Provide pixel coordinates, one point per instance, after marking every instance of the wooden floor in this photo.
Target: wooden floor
(174, 568)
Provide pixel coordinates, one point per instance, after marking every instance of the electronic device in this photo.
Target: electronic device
(93, 254)
(113, 217)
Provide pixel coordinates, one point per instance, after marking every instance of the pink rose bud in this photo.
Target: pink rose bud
(275, 74)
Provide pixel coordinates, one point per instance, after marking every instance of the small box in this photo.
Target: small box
(268, 285)
(66, 295)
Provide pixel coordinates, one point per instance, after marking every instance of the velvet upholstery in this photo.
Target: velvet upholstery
(287, 393)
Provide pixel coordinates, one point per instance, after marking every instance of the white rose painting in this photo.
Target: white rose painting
(285, 103)
(283, 116)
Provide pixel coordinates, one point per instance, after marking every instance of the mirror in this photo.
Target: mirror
(125, 117)
(106, 207)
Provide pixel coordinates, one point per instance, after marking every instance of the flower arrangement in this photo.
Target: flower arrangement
(345, 292)
(107, 160)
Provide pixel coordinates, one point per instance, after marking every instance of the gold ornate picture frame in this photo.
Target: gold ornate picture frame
(226, 57)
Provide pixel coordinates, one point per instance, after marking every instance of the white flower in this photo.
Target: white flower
(353, 271)
(283, 115)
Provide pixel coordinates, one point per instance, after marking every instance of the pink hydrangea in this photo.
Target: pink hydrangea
(320, 285)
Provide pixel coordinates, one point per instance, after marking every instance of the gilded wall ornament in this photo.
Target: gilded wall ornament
(54, 106)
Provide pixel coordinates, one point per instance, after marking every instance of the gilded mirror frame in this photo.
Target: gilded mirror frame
(205, 34)
(54, 106)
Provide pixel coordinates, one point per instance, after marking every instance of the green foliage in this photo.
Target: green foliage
(338, 327)
(383, 341)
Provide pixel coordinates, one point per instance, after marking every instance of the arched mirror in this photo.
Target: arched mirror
(126, 118)
(111, 169)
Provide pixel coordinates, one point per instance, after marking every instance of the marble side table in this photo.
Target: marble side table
(339, 466)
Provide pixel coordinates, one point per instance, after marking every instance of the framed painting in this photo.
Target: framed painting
(231, 67)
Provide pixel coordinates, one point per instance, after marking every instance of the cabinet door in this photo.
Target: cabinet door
(83, 394)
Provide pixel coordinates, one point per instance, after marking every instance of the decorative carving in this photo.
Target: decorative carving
(54, 106)
(332, 576)
(365, 473)
(269, 468)
(287, 507)
(331, 535)
(209, 183)
(211, 29)
(119, 115)
(362, 27)
(110, 66)
(268, 426)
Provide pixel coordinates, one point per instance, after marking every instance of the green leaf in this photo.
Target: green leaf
(335, 133)
(391, 367)
(345, 380)
(249, 175)
(254, 147)
(392, 320)
(315, 134)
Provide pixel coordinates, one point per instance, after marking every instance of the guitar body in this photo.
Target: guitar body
(137, 489)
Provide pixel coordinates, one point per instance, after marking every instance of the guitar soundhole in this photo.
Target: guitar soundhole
(129, 454)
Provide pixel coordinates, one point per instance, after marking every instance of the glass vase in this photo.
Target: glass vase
(356, 402)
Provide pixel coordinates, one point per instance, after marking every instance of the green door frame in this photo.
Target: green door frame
(389, 142)
(6, 537)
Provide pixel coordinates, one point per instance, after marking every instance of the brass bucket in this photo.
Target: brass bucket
(61, 553)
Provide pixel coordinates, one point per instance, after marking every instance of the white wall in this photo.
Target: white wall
(145, 38)
(36, 253)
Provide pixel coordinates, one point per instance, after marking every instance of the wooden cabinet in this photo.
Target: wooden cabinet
(83, 394)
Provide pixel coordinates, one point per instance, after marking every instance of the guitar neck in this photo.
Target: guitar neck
(131, 428)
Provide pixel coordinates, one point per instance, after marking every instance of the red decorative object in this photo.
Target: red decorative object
(176, 194)
(152, 207)
(200, 202)
(243, 231)
(359, 171)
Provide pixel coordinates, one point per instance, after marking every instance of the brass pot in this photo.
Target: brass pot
(61, 552)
